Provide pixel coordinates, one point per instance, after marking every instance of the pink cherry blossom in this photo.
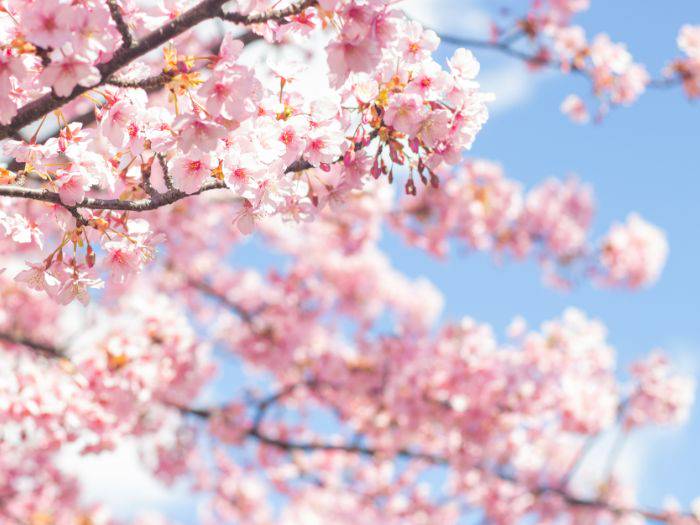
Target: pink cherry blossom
(232, 94)
(47, 22)
(660, 396)
(689, 40)
(194, 132)
(575, 109)
(67, 70)
(323, 145)
(188, 172)
(634, 253)
(405, 113)
(11, 66)
(122, 259)
(72, 185)
(346, 57)
(37, 277)
(75, 284)
(149, 148)
(688, 68)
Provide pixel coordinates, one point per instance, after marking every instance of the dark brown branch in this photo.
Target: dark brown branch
(503, 47)
(48, 103)
(249, 37)
(146, 181)
(152, 203)
(148, 204)
(122, 26)
(167, 178)
(42, 348)
(278, 15)
(265, 404)
(149, 84)
(203, 11)
(257, 434)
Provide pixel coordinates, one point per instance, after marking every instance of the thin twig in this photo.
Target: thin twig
(122, 26)
(256, 433)
(203, 11)
(152, 203)
(278, 15)
(506, 47)
(43, 348)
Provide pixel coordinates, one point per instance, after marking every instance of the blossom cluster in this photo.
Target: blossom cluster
(459, 394)
(340, 330)
(546, 35)
(389, 106)
(549, 31)
(141, 151)
(101, 385)
(616, 79)
(481, 208)
(480, 406)
(51, 44)
(688, 68)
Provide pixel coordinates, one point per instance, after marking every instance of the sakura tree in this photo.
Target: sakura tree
(145, 142)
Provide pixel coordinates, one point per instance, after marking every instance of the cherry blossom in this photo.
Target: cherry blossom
(189, 171)
(634, 253)
(689, 68)
(67, 69)
(147, 144)
(575, 108)
(659, 396)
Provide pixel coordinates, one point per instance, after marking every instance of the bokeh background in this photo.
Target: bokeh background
(645, 158)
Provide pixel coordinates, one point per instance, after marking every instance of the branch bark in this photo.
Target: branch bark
(278, 15)
(157, 201)
(203, 11)
(124, 31)
(42, 348)
(149, 84)
(507, 48)
(570, 499)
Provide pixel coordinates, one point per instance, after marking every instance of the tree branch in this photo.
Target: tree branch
(314, 446)
(506, 47)
(210, 291)
(124, 31)
(276, 16)
(152, 83)
(42, 348)
(256, 433)
(148, 204)
(154, 202)
(203, 11)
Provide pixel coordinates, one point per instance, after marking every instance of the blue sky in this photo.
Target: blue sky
(645, 159)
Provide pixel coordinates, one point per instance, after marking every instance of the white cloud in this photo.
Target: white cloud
(627, 467)
(512, 84)
(119, 480)
(456, 18)
(685, 356)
